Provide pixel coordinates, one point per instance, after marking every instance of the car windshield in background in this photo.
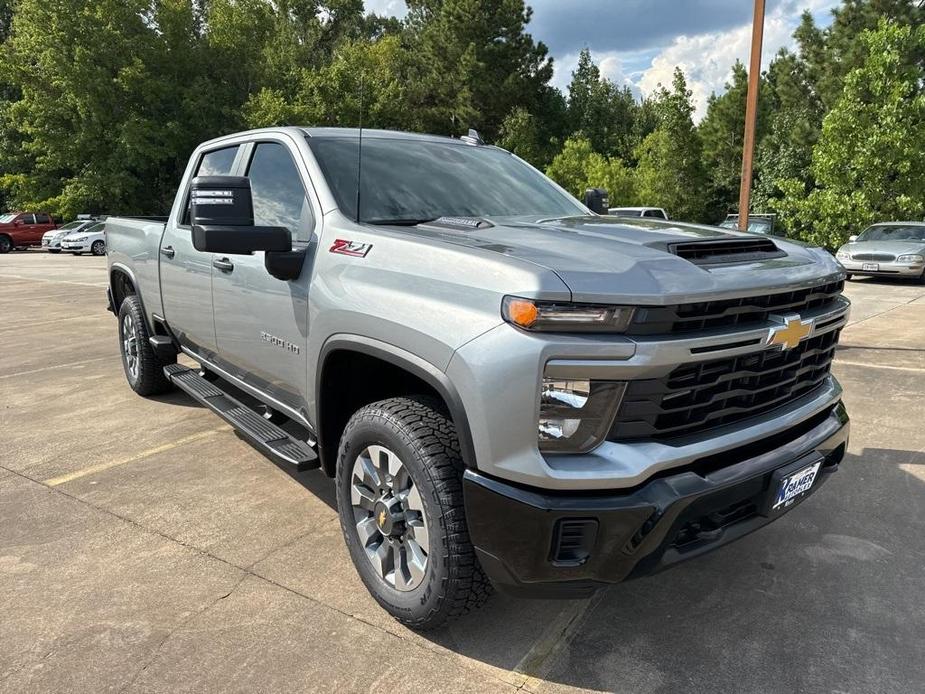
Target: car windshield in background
(100, 226)
(755, 226)
(893, 232)
(7, 218)
(406, 181)
(71, 225)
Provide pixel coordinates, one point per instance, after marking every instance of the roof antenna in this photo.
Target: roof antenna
(360, 152)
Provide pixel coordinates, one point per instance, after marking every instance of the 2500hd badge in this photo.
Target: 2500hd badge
(512, 391)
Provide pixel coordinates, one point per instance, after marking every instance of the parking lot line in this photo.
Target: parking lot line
(93, 469)
(69, 365)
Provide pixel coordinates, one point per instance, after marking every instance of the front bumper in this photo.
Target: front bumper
(518, 531)
(856, 267)
(75, 247)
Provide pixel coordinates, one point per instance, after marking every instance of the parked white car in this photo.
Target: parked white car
(51, 240)
(652, 212)
(90, 240)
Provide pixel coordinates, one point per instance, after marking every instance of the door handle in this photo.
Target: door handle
(168, 251)
(223, 264)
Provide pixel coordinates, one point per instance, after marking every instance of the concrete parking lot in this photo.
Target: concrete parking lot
(145, 547)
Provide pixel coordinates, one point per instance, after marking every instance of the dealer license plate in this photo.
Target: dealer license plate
(795, 486)
(871, 267)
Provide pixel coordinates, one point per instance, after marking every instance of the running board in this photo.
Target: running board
(262, 433)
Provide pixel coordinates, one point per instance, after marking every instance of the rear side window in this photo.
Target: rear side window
(218, 162)
(654, 213)
(42, 219)
(279, 198)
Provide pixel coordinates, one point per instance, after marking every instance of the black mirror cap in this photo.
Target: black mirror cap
(221, 201)
(240, 240)
(596, 200)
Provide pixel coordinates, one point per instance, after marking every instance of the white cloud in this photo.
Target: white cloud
(707, 59)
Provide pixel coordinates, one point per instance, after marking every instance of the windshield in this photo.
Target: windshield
(72, 225)
(96, 228)
(893, 232)
(756, 226)
(405, 180)
(7, 218)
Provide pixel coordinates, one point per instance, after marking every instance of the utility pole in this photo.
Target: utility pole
(751, 115)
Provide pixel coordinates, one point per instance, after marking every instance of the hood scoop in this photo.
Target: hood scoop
(461, 223)
(723, 251)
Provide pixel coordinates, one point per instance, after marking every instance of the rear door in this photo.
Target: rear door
(261, 323)
(43, 223)
(186, 274)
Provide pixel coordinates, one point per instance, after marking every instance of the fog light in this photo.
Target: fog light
(575, 415)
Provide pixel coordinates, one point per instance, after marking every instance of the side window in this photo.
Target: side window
(215, 163)
(279, 198)
(42, 219)
(654, 213)
(27, 218)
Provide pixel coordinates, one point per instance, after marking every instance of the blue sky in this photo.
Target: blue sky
(639, 42)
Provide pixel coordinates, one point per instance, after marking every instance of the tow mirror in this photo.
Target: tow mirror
(596, 200)
(852, 238)
(222, 217)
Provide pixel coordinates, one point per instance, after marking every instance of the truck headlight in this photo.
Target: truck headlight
(565, 317)
(843, 255)
(912, 259)
(575, 415)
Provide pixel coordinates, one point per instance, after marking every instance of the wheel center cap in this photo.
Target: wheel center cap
(389, 517)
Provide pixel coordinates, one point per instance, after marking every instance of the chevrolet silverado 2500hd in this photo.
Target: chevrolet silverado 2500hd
(509, 390)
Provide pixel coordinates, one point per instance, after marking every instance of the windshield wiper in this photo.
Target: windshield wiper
(400, 221)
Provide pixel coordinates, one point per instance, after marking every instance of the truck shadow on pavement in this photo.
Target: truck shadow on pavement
(827, 598)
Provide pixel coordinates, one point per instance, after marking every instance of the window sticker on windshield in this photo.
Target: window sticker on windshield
(353, 248)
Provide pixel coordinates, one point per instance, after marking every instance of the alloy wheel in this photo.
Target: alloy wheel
(389, 516)
(130, 345)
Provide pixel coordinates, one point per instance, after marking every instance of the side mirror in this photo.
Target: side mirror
(852, 238)
(222, 217)
(596, 200)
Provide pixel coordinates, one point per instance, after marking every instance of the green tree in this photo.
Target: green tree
(868, 162)
(578, 167)
(670, 173)
(723, 133)
(603, 112)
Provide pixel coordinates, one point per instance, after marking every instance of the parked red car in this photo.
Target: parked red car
(21, 229)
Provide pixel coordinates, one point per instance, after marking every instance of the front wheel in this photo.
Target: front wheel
(400, 501)
(6, 244)
(98, 248)
(143, 370)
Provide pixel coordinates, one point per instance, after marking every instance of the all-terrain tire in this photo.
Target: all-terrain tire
(425, 441)
(143, 370)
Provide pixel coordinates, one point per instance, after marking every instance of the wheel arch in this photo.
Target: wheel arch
(331, 414)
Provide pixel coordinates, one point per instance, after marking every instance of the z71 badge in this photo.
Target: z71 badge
(354, 248)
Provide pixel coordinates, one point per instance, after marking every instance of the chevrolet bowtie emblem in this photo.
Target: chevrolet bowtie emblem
(793, 331)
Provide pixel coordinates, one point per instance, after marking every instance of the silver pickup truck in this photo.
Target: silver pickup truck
(510, 390)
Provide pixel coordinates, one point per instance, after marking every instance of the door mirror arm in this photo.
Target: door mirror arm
(285, 265)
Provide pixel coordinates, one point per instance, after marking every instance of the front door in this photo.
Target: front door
(186, 274)
(261, 323)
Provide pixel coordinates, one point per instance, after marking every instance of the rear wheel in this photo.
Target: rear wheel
(98, 248)
(143, 370)
(6, 244)
(399, 496)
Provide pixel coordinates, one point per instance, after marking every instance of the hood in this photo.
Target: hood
(610, 259)
(891, 247)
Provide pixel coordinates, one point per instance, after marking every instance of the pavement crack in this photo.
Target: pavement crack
(195, 614)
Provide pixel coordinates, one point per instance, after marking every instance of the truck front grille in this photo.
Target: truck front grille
(731, 313)
(703, 395)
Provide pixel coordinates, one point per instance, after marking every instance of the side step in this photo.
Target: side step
(262, 433)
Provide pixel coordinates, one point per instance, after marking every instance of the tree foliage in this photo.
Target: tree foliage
(101, 102)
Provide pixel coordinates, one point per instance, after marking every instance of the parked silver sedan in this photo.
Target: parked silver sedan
(889, 249)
